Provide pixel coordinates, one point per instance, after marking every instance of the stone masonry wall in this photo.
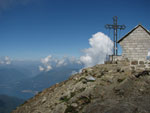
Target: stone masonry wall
(139, 64)
(115, 58)
(135, 46)
(132, 64)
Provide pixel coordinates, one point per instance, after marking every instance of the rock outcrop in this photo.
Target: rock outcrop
(112, 87)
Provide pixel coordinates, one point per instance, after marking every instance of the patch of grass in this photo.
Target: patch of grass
(90, 80)
(72, 94)
(81, 90)
(23, 103)
(85, 99)
(121, 80)
(81, 79)
(64, 99)
(70, 109)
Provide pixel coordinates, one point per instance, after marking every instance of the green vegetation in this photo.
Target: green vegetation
(67, 98)
(84, 100)
(72, 94)
(121, 80)
(81, 90)
(70, 109)
(64, 99)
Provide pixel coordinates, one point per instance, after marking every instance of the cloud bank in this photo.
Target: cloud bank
(6, 60)
(50, 62)
(47, 63)
(101, 46)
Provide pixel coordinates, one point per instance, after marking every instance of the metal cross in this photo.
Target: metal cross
(115, 27)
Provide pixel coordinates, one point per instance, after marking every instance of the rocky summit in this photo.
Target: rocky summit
(113, 87)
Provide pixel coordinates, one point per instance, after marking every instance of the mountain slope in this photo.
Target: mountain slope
(29, 87)
(107, 88)
(7, 103)
(9, 77)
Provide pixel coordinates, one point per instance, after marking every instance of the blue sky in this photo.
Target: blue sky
(31, 29)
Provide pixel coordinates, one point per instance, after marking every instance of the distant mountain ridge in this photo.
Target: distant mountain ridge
(16, 82)
(10, 75)
(7, 103)
(28, 87)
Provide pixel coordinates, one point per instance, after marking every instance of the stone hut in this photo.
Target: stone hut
(136, 44)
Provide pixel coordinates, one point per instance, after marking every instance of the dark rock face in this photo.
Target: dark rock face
(114, 88)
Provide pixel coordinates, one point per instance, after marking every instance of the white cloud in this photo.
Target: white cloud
(101, 45)
(46, 60)
(67, 61)
(41, 68)
(74, 60)
(48, 68)
(45, 68)
(2, 62)
(74, 72)
(50, 62)
(47, 63)
(7, 60)
(62, 62)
